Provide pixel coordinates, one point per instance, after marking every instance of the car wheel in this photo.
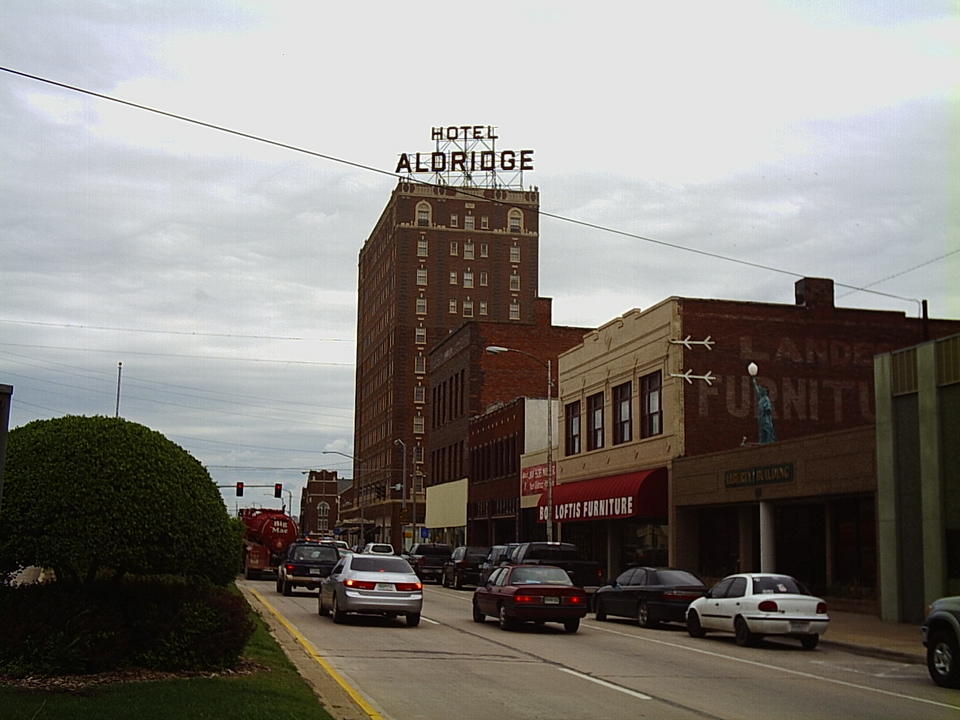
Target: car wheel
(338, 615)
(741, 630)
(571, 625)
(287, 588)
(601, 611)
(506, 622)
(251, 574)
(809, 642)
(694, 628)
(457, 581)
(279, 584)
(943, 659)
(643, 615)
(321, 610)
(413, 619)
(477, 615)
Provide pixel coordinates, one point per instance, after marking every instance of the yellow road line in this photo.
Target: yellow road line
(312, 652)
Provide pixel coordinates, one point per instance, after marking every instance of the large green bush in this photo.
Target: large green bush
(158, 623)
(89, 496)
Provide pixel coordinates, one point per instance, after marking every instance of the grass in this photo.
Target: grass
(278, 693)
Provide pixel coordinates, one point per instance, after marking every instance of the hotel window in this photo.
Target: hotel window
(651, 406)
(514, 282)
(418, 424)
(420, 334)
(515, 254)
(423, 214)
(454, 221)
(418, 453)
(483, 307)
(484, 222)
(595, 421)
(571, 422)
(468, 278)
(468, 251)
(420, 364)
(421, 306)
(514, 311)
(453, 277)
(421, 248)
(421, 276)
(515, 220)
(483, 278)
(419, 394)
(468, 308)
(623, 413)
(454, 248)
(468, 222)
(484, 250)
(453, 307)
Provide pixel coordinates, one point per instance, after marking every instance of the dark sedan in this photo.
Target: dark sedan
(530, 593)
(650, 595)
(463, 566)
(305, 564)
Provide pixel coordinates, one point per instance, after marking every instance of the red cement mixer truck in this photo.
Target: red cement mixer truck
(267, 535)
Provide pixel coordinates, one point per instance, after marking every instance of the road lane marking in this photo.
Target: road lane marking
(426, 619)
(767, 666)
(312, 652)
(604, 683)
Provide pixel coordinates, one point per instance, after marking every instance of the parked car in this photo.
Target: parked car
(650, 595)
(378, 549)
(751, 605)
(463, 566)
(305, 564)
(372, 585)
(496, 556)
(524, 593)
(941, 638)
(427, 559)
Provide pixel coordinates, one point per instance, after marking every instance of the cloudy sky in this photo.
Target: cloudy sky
(810, 138)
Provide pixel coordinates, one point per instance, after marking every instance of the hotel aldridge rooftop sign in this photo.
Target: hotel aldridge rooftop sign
(467, 156)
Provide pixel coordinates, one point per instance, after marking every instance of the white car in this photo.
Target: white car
(378, 549)
(751, 605)
(372, 584)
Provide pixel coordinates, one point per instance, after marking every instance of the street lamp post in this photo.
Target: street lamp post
(403, 488)
(356, 493)
(496, 349)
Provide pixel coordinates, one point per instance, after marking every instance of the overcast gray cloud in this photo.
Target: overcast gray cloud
(809, 137)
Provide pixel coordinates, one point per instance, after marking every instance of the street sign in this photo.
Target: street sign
(424, 533)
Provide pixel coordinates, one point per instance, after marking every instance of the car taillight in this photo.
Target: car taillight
(290, 568)
(527, 599)
(600, 573)
(821, 608)
(359, 584)
(767, 606)
(407, 587)
(575, 599)
(462, 563)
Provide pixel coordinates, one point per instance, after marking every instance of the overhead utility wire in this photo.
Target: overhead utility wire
(380, 171)
(158, 332)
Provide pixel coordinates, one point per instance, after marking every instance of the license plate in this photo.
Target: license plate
(314, 571)
(799, 626)
(388, 587)
(551, 600)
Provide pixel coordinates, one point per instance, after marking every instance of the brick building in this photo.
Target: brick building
(438, 256)
(320, 502)
(466, 381)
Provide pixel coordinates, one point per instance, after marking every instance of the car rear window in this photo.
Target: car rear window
(367, 563)
(476, 553)
(778, 584)
(552, 553)
(434, 550)
(321, 553)
(677, 577)
(539, 575)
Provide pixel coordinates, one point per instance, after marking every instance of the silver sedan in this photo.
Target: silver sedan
(372, 585)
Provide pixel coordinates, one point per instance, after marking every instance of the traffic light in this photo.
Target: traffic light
(239, 489)
(277, 489)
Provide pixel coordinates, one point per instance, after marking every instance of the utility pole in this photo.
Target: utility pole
(6, 393)
(119, 371)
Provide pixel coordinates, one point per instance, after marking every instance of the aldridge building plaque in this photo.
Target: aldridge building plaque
(759, 476)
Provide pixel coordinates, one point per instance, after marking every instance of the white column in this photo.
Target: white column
(768, 549)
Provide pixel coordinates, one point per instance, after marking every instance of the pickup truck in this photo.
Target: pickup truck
(427, 560)
(583, 573)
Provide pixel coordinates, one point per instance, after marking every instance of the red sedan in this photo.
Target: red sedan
(530, 593)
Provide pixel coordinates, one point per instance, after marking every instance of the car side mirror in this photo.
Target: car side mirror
(708, 593)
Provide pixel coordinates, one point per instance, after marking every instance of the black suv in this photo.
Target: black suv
(463, 566)
(497, 555)
(427, 560)
(305, 564)
(941, 637)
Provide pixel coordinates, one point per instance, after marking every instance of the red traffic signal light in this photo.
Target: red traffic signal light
(239, 489)
(277, 489)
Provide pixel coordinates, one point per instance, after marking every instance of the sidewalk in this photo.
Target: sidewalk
(869, 635)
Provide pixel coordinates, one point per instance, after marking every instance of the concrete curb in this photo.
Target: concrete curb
(880, 653)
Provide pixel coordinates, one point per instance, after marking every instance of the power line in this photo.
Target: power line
(157, 332)
(904, 272)
(380, 171)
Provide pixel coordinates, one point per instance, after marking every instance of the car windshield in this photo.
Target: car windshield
(677, 577)
(778, 584)
(476, 553)
(367, 563)
(316, 553)
(539, 575)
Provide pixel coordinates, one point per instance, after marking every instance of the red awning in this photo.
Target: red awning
(638, 494)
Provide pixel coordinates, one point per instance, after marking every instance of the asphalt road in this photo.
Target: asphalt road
(452, 667)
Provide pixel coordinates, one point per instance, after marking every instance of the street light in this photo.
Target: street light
(356, 492)
(403, 486)
(496, 350)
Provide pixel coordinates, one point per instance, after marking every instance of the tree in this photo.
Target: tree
(88, 495)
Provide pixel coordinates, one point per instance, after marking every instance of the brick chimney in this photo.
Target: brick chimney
(814, 293)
